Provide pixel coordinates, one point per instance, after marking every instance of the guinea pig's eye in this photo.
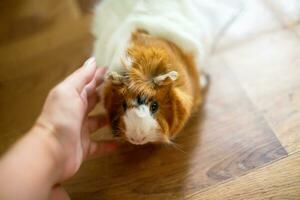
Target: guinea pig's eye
(124, 105)
(153, 106)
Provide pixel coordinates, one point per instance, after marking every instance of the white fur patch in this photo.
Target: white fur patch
(140, 126)
(190, 24)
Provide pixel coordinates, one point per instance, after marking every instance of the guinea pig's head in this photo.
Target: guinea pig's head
(140, 101)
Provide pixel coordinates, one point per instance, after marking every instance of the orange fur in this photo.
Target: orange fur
(151, 57)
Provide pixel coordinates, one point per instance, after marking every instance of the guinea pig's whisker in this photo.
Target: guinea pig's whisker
(176, 146)
(118, 131)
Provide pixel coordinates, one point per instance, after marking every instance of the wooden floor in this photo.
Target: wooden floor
(244, 143)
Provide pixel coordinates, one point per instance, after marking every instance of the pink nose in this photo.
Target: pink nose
(137, 140)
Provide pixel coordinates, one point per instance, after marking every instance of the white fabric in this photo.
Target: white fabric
(190, 24)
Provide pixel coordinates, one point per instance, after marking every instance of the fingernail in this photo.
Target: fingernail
(90, 61)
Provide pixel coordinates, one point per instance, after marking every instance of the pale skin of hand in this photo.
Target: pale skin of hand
(53, 150)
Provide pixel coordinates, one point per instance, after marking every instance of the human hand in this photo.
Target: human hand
(65, 117)
(55, 147)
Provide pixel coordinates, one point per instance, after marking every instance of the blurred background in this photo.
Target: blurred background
(251, 120)
(41, 42)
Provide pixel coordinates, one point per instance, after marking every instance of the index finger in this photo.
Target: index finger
(82, 76)
(99, 76)
(97, 80)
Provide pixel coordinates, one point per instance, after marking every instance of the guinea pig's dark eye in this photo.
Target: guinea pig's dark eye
(140, 100)
(153, 106)
(124, 105)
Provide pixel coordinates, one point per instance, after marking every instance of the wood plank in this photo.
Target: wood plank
(268, 69)
(254, 19)
(280, 180)
(297, 30)
(16, 52)
(20, 19)
(33, 63)
(225, 139)
(87, 5)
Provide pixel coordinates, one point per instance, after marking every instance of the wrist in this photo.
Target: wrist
(32, 164)
(52, 148)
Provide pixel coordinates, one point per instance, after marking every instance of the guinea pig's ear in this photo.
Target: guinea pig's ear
(115, 78)
(166, 79)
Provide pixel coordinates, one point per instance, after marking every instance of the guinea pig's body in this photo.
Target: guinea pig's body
(153, 50)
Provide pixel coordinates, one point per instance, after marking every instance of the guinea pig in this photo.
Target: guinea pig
(153, 98)
(153, 50)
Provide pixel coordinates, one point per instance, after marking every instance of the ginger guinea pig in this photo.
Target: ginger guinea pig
(153, 97)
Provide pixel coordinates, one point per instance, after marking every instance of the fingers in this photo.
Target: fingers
(84, 75)
(92, 101)
(96, 122)
(99, 77)
(59, 193)
(90, 89)
(97, 80)
(102, 148)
